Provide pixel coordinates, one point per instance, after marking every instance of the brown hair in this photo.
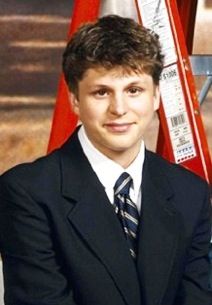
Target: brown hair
(109, 42)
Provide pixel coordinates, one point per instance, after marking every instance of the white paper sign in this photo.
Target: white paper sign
(176, 115)
(154, 16)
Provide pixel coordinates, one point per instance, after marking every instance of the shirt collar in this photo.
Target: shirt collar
(109, 171)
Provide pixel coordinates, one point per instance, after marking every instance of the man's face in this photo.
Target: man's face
(116, 109)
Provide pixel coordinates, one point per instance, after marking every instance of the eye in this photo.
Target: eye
(101, 92)
(134, 91)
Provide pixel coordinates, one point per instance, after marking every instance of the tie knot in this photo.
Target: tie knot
(123, 184)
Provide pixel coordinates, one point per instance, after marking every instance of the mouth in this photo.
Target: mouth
(118, 127)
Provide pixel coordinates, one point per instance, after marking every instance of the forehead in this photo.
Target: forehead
(102, 75)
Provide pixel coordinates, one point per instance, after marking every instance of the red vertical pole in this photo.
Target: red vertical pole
(187, 11)
(64, 120)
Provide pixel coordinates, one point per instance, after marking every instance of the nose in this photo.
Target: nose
(118, 105)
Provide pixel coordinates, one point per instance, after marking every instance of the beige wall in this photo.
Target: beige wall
(33, 36)
(203, 45)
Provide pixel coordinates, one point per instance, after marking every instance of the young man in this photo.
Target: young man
(103, 221)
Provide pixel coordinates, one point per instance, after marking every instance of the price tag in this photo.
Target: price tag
(176, 115)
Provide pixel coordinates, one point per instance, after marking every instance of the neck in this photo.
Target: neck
(124, 159)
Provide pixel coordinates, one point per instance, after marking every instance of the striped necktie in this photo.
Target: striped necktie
(126, 210)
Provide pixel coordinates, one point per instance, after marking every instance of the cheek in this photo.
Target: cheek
(145, 108)
(88, 114)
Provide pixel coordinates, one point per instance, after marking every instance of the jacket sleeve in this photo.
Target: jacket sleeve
(33, 273)
(195, 288)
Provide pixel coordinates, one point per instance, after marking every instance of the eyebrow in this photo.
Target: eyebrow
(138, 82)
(133, 83)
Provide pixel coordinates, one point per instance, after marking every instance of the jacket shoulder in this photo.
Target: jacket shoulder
(184, 183)
(174, 171)
(39, 174)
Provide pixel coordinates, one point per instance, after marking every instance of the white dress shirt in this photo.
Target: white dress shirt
(109, 171)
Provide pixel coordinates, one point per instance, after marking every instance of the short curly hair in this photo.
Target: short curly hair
(109, 42)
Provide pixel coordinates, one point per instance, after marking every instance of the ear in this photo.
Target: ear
(156, 98)
(74, 103)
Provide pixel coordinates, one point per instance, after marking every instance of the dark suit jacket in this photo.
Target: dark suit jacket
(62, 243)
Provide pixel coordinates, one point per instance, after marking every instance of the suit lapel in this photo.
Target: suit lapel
(94, 218)
(158, 232)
